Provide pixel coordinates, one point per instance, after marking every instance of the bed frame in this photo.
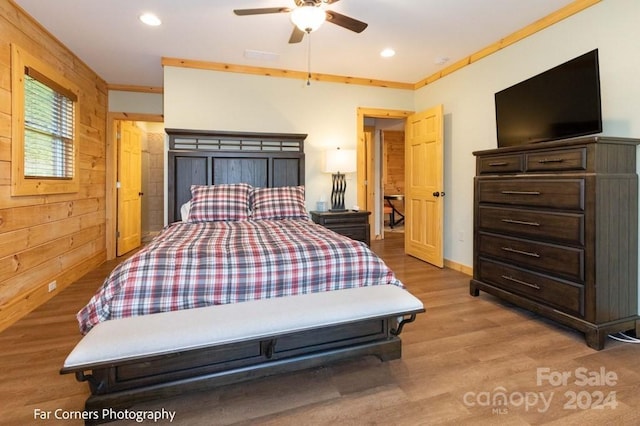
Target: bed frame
(199, 157)
(264, 160)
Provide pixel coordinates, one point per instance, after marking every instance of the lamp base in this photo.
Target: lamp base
(337, 192)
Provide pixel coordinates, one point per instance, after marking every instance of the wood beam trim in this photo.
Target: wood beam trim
(273, 72)
(539, 25)
(133, 88)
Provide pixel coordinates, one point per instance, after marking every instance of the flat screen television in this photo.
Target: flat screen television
(562, 102)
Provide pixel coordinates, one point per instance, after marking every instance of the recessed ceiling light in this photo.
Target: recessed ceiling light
(150, 19)
(387, 53)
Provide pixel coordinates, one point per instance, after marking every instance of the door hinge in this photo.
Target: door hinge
(117, 234)
(118, 185)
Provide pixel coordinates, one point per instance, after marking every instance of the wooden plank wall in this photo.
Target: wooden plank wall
(393, 163)
(55, 237)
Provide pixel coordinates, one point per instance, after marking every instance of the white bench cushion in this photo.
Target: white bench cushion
(167, 332)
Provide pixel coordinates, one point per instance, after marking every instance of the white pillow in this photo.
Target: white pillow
(184, 211)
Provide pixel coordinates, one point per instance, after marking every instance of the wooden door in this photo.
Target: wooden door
(424, 190)
(129, 187)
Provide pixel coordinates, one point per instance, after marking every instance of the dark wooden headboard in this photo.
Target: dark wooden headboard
(214, 157)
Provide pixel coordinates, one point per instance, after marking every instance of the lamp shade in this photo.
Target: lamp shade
(308, 18)
(340, 160)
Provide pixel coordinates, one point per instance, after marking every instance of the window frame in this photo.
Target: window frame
(20, 184)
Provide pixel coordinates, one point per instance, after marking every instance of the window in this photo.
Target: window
(44, 120)
(48, 129)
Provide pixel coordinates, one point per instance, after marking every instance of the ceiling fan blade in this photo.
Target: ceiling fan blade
(296, 35)
(261, 11)
(346, 22)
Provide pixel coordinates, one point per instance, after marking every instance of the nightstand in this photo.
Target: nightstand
(349, 223)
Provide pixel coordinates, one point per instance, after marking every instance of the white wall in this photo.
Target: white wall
(141, 103)
(201, 99)
(467, 95)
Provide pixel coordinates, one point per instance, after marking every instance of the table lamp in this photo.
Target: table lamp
(338, 162)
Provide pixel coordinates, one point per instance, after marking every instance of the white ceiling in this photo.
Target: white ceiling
(107, 35)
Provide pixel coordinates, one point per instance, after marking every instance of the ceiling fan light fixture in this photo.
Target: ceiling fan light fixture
(308, 18)
(388, 53)
(150, 19)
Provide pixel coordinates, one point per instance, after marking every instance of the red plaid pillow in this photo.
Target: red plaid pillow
(286, 202)
(226, 202)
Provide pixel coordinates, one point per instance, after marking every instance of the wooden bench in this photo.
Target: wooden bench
(141, 358)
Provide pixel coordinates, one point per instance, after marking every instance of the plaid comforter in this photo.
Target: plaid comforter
(192, 265)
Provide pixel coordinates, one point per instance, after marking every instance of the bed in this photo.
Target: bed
(285, 293)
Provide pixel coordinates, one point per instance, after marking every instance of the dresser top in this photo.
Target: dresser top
(583, 140)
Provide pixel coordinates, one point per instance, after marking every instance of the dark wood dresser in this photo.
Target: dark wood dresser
(352, 224)
(556, 230)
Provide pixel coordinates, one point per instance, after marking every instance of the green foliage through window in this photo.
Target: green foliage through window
(48, 132)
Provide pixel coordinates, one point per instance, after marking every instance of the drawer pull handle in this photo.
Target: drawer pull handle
(520, 222)
(551, 160)
(498, 164)
(521, 192)
(508, 278)
(526, 253)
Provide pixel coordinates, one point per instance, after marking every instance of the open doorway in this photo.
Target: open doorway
(424, 180)
(373, 169)
(152, 156)
(392, 174)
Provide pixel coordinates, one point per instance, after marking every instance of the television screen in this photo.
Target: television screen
(559, 103)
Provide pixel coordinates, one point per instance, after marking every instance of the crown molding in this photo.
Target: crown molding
(274, 72)
(133, 88)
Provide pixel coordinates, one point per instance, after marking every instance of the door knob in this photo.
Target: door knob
(437, 194)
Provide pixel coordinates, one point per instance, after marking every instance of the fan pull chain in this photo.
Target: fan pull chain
(309, 58)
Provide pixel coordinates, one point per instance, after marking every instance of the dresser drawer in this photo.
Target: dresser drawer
(566, 194)
(501, 164)
(558, 160)
(558, 260)
(565, 296)
(567, 228)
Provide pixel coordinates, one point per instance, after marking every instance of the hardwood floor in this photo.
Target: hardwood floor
(458, 359)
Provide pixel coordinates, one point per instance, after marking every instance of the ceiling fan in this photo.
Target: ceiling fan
(307, 16)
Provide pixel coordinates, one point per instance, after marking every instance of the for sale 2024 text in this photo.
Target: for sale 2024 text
(593, 384)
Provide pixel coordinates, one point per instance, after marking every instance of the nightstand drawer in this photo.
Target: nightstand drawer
(343, 219)
(352, 224)
(359, 233)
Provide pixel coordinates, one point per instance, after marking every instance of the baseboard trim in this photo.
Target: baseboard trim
(450, 264)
